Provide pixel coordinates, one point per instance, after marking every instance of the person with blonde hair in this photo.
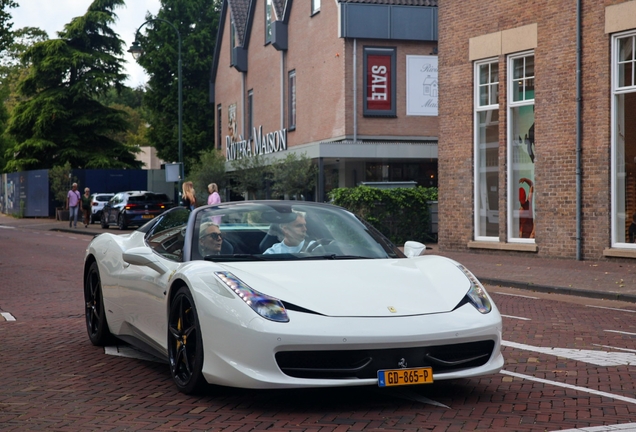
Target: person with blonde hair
(214, 197)
(188, 198)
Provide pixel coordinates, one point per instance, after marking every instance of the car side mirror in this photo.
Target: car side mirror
(413, 249)
(143, 256)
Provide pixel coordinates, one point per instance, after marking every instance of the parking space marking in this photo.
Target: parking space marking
(620, 332)
(7, 316)
(599, 358)
(515, 317)
(616, 348)
(516, 295)
(609, 308)
(622, 427)
(7, 227)
(569, 386)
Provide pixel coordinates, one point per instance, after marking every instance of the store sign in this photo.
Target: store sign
(421, 85)
(379, 81)
(261, 144)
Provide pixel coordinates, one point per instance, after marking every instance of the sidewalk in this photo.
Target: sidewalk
(596, 279)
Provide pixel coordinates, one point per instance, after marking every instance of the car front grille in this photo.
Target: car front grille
(365, 363)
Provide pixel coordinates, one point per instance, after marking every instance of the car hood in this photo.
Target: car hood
(361, 288)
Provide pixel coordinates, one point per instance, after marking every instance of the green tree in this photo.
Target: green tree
(293, 176)
(209, 168)
(250, 175)
(6, 35)
(61, 119)
(197, 23)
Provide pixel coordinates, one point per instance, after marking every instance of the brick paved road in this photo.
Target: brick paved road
(52, 378)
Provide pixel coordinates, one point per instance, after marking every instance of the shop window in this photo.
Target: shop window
(379, 82)
(292, 100)
(624, 139)
(268, 21)
(521, 149)
(486, 150)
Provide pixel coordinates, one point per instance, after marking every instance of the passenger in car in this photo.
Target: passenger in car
(210, 239)
(294, 236)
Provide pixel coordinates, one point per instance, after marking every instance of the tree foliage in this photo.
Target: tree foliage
(293, 176)
(60, 120)
(6, 35)
(209, 168)
(60, 179)
(401, 214)
(197, 23)
(250, 175)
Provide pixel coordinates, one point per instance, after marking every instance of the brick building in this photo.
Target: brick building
(351, 84)
(537, 147)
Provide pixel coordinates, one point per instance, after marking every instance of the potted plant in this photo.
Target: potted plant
(60, 180)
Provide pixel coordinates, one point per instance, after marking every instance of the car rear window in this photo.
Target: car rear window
(103, 198)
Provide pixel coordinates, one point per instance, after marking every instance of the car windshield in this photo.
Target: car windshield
(286, 230)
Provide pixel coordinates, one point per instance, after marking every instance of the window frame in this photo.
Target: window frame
(617, 91)
(511, 105)
(250, 113)
(219, 126)
(268, 9)
(292, 83)
(477, 109)
(315, 7)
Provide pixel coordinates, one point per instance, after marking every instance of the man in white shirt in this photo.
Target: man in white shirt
(295, 233)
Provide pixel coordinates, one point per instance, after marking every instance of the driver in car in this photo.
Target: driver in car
(295, 233)
(210, 239)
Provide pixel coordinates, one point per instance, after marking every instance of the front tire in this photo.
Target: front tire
(96, 323)
(185, 344)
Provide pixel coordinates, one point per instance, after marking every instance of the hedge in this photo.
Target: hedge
(401, 214)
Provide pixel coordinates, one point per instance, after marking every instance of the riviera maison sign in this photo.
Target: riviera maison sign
(261, 144)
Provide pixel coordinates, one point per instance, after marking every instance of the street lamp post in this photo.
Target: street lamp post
(136, 52)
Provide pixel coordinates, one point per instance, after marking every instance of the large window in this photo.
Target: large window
(219, 126)
(624, 139)
(292, 100)
(250, 114)
(268, 21)
(521, 150)
(487, 150)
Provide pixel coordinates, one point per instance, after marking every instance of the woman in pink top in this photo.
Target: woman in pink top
(214, 197)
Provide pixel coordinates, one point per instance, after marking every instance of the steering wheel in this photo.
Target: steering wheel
(319, 243)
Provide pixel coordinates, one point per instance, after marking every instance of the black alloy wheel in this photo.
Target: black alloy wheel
(185, 345)
(96, 323)
(121, 222)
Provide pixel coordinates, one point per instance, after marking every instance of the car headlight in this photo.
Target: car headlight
(266, 306)
(476, 295)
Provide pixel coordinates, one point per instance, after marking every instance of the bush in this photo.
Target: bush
(401, 214)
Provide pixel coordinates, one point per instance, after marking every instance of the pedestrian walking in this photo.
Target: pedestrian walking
(189, 199)
(86, 206)
(214, 197)
(73, 202)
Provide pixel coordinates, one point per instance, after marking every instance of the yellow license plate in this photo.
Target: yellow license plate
(147, 216)
(396, 377)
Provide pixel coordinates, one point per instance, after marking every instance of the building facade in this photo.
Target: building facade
(537, 150)
(351, 84)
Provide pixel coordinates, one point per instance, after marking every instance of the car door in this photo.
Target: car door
(108, 208)
(145, 288)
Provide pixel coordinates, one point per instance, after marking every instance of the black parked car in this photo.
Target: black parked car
(134, 208)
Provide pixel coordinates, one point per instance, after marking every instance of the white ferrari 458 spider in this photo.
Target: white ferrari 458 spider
(283, 294)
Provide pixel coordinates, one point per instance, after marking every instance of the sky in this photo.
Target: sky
(52, 15)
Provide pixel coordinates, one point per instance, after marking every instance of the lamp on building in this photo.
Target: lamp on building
(136, 52)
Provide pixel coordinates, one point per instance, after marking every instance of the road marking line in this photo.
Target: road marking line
(515, 317)
(7, 227)
(613, 347)
(516, 295)
(609, 308)
(7, 316)
(623, 427)
(620, 332)
(599, 358)
(569, 386)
